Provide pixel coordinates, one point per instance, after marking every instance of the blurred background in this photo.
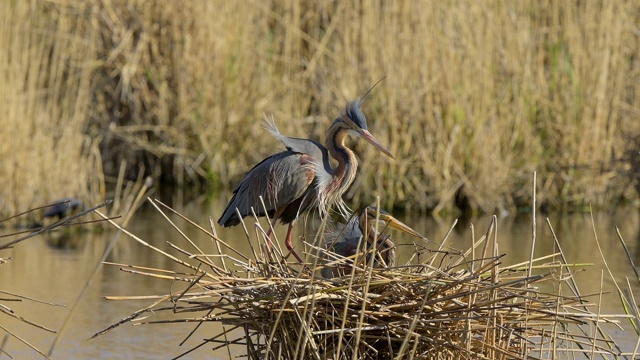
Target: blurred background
(98, 95)
(477, 95)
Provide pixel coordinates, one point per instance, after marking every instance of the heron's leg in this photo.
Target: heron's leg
(276, 216)
(273, 224)
(289, 245)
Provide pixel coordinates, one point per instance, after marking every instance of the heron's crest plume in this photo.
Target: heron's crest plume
(353, 109)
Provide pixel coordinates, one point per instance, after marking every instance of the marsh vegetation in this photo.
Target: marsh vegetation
(477, 96)
(104, 99)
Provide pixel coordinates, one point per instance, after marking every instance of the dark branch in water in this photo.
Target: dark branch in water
(54, 225)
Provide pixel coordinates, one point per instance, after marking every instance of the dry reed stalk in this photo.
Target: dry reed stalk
(128, 202)
(44, 94)
(465, 307)
(17, 238)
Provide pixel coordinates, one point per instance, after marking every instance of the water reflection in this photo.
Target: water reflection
(56, 266)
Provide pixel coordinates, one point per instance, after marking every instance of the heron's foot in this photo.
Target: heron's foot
(289, 245)
(295, 254)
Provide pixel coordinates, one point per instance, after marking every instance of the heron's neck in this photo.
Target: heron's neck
(371, 233)
(343, 174)
(384, 245)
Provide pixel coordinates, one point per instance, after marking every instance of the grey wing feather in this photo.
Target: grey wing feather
(279, 179)
(347, 233)
(303, 146)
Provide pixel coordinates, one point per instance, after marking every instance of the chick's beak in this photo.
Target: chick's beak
(398, 225)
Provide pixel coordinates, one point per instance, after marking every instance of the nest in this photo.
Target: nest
(441, 304)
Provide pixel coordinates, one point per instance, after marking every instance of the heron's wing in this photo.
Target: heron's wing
(280, 179)
(312, 148)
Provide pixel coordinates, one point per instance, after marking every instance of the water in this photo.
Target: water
(43, 269)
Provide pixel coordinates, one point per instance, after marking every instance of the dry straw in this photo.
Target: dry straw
(441, 304)
(478, 94)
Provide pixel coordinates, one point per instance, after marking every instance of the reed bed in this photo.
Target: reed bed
(477, 95)
(440, 304)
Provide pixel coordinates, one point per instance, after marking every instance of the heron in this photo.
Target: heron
(359, 235)
(302, 176)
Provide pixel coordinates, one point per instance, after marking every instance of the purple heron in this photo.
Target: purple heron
(302, 176)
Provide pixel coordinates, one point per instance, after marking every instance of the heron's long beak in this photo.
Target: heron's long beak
(398, 225)
(373, 141)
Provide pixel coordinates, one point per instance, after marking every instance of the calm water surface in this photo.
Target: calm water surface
(43, 269)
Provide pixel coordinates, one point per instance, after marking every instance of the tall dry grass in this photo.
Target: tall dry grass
(44, 101)
(477, 95)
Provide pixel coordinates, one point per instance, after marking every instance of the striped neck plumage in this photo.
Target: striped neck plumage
(343, 174)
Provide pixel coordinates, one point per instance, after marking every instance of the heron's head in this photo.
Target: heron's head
(356, 123)
(369, 216)
(385, 248)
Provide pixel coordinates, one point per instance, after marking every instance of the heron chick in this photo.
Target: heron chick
(358, 236)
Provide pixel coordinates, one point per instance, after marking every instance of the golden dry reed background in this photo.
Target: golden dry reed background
(477, 95)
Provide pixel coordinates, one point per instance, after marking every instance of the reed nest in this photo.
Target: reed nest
(440, 304)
